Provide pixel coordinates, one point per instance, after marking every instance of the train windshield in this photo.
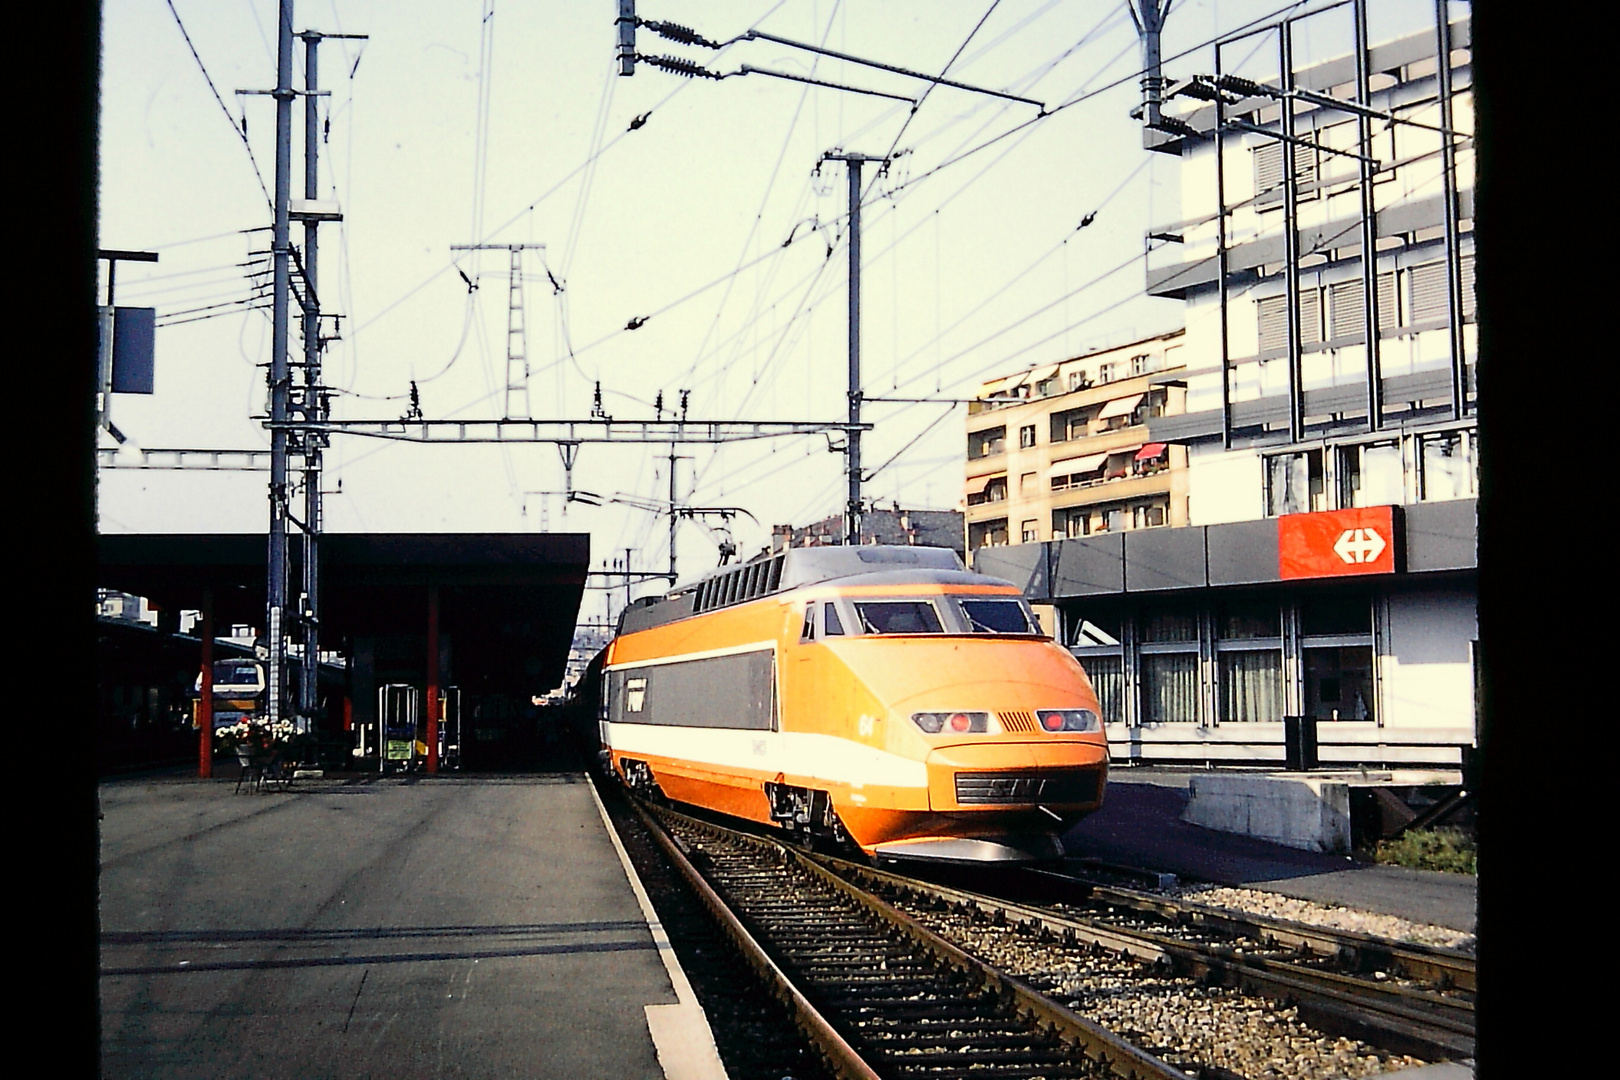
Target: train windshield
(997, 617)
(899, 617)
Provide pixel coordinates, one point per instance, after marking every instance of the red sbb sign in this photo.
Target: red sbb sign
(1337, 543)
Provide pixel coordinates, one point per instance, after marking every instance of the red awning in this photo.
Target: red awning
(1149, 452)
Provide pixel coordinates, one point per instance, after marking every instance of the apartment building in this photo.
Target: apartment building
(1064, 449)
(1328, 567)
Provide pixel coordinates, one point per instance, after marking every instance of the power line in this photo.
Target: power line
(211, 89)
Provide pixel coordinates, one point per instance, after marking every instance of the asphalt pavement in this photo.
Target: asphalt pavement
(454, 926)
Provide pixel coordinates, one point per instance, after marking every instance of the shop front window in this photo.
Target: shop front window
(1107, 675)
(1170, 688)
(1338, 682)
(1251, 686)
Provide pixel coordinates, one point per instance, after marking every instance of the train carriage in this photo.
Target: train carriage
(883, 696)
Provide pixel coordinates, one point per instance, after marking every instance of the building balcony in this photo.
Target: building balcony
(1112, 490)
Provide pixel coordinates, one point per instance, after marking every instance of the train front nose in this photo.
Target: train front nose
(1053, 782)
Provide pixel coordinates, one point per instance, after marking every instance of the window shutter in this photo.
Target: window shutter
(1305, 166)
(1389, 308)
(1428, 291)
(1469, 310)
(1273, 315)
(1345, 308)
(1310, 315)
(1268, 167)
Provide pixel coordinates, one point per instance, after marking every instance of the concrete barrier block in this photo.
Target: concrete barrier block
(1309, 813)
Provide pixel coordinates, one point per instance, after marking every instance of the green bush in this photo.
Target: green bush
(1451, 850)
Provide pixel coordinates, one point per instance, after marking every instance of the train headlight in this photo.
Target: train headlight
(1067, 719)
(955, 722)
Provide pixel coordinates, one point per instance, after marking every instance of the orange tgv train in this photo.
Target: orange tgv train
(874, 695)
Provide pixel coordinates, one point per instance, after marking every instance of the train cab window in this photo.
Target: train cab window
(830, 622)
(809, 631)
(899, 617)
(996, 617)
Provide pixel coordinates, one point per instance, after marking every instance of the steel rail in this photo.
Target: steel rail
(1396, 1018)
(1447, 968)
(840, 1057)
(1100, 1046)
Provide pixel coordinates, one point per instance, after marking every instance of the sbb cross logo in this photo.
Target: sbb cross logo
(1359, 545)
(1336, 543)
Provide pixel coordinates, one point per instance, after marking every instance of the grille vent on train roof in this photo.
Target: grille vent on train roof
(1022, 723)
(747, 582)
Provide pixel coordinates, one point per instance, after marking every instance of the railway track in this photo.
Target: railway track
(878, 993)
(1449, 972)
(893, 977)
(1405, 999)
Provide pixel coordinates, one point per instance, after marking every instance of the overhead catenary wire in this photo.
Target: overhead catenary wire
(257, 173)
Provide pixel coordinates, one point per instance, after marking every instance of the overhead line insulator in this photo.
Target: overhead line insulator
(676, 32)
(680, 66)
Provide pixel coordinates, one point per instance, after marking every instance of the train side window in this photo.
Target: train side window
(809, 631)
(830, 621)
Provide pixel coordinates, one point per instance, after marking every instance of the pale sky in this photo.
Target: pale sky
(973, 266)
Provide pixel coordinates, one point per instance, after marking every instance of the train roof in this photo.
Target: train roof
(877, 564)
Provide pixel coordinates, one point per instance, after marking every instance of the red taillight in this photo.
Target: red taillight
(960, 722)
(1052, 721)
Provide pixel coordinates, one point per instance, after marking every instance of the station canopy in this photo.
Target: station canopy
(509, 601)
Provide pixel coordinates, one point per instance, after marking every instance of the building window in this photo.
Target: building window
(1268, 168)
(1078, 381)
(1247, 620)
(1152, 458)
(1272, 313)
(1170, 688)
(1097, 645)
(1427, 292)
(1071, 523)
(1146, 363)
(1249, 660)
(987, 533)
(1046, 387)
(1073, 424)
(1113, 519)
(1251, 686)
(1345, 315)
(1162, 627)
(1338, 682)
(1110, 370)
(1336, 643)
(994, 491)
(1295, 483)
(1026, 436)
(1149, 515)
(1371, 475)
(1029, 533)
(1448, 470)
(987, 443)
(1107, 675)
(1027, 485)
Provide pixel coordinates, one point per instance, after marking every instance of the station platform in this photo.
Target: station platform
(1142, 823)
(365, 926)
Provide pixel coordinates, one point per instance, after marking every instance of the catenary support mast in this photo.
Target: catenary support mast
(276, 570)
